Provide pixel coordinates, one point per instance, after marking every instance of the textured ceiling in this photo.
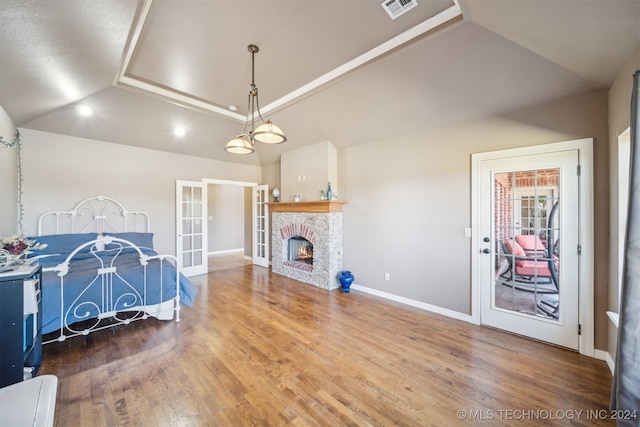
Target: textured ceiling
(327, 70)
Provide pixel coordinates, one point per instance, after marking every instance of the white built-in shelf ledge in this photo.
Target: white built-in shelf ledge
(614, 317)
(314, 206)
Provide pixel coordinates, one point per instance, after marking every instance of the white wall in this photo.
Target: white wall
(8, 191)
(226, 217)
(59, 171)
(271, 177)
(308, 170)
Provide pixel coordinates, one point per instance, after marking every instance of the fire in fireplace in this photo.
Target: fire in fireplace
(301, 250)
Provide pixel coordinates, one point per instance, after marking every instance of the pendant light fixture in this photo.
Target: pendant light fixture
(267, 132)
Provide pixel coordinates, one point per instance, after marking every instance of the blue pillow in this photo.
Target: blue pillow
(62, 243)
(143, 240)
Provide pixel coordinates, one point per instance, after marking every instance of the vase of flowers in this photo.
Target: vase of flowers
(15, 249)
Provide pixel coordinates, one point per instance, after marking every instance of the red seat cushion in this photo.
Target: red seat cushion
(528, 268)
(516, 250)
(531, 243)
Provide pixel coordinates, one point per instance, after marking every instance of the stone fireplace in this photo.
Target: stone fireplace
(306, 241)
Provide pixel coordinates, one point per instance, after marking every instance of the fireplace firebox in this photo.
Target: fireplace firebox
(300, 250)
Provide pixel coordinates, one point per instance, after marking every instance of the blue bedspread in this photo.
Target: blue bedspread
(119, 287)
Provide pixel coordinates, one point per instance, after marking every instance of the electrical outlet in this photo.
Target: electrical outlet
(467, 232)
(387, 276)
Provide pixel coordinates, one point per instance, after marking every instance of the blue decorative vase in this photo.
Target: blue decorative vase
(346, 279)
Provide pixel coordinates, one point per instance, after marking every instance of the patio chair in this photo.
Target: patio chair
(528, 273)
(550, 305)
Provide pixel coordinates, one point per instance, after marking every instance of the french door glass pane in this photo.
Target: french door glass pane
(526, 232)
(186, 243)
(187, 259)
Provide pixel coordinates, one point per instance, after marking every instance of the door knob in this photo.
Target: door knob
(486, 251)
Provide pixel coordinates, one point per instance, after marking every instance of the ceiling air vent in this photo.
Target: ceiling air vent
(396, 8)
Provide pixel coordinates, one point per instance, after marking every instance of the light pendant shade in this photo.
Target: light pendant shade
(241, 144)
(268, 133)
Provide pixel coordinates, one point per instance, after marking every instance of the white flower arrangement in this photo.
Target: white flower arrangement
(18, 245)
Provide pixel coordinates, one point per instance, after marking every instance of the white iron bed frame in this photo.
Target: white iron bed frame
(104, 215)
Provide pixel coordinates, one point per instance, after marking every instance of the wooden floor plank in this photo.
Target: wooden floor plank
(260, 349)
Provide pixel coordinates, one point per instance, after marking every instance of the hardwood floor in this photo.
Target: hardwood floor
(260, 349)
(226, 261)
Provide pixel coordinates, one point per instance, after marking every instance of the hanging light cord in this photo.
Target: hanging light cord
(253, 93)
(252, 98)
(254, 88)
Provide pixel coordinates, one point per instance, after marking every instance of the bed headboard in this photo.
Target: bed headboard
(97, 214)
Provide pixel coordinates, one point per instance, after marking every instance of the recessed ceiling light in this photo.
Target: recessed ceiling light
(84, 110)
(233, 108)
(179, 131)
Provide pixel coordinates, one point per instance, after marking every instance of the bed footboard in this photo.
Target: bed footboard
(107, 282)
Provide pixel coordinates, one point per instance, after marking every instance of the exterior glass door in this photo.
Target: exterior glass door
(529, 255)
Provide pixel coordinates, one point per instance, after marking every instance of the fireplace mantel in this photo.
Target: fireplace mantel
(315, 206)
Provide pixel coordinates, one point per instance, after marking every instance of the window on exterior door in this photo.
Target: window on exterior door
(523, 203)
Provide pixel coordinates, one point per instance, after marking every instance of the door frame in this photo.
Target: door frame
(585, 269)
(245, 184)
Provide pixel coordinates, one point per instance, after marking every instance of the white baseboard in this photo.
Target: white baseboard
(606, 356)
(615, 320)
(414, 303)
(226, 251)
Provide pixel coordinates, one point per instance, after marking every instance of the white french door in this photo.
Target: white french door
(260, 225)
(528, 255)
(191, 227)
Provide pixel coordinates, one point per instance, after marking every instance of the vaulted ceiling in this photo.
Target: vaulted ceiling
(337, 70)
